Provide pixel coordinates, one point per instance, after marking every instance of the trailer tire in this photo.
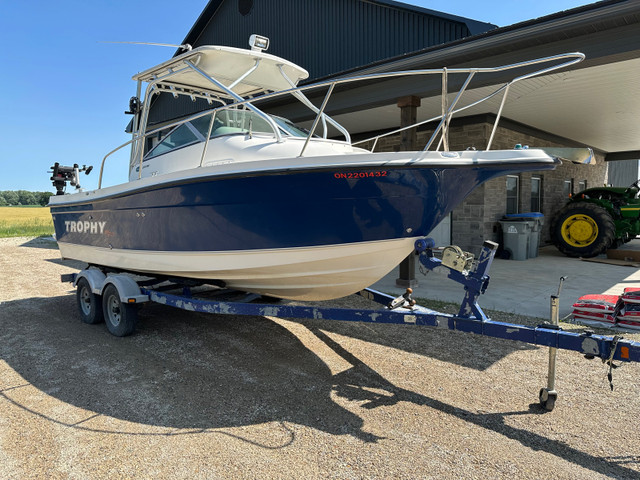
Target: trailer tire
(89, 304)
(121, 319)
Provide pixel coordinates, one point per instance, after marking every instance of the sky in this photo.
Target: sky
(64, 91)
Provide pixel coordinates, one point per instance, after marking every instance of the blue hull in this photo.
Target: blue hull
(273, 210)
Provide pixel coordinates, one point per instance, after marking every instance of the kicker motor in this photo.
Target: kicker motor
(61, 175)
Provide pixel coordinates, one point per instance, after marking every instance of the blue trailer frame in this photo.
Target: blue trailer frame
(122, 294)
(545, 335)
(470, 319)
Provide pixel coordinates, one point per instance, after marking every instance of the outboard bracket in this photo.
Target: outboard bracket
(61, 175)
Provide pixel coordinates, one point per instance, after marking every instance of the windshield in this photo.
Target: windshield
(291, 128)
(225, 122)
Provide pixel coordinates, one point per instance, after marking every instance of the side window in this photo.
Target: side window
(180, 137)
(202, 125)
(582, 185)
(513, 193)
(567, 188)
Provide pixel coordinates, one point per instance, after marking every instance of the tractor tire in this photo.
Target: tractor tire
(583, 229)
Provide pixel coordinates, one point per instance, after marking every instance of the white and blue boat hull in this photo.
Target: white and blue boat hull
(311, 232)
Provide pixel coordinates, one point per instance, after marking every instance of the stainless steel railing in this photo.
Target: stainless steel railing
(448, 110)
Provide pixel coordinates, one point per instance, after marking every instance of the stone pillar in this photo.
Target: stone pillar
(408, 142)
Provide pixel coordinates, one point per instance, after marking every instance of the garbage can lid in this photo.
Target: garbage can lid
(512, 216)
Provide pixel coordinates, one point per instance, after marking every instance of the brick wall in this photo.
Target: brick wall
(552, 183)
(477, 218)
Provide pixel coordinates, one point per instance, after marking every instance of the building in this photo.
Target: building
(623, 172)
(595, 103)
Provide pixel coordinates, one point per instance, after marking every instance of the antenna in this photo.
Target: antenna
(186, 47)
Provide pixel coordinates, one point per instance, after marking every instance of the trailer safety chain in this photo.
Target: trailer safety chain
(609, 361)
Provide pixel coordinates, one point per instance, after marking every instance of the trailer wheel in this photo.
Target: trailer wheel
(89, 304)
(121, 319)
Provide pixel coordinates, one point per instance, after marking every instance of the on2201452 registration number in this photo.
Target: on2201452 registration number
(381, 173)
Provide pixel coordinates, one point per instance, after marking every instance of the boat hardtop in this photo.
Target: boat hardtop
(267, 73)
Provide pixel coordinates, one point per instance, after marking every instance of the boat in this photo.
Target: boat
(235, 196)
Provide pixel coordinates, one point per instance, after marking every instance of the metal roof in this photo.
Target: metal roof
(330, 36)
(322, 36)
(596, 103)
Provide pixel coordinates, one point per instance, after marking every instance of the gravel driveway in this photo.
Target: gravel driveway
(196, 396)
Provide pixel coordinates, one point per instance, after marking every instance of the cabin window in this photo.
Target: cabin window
(536, 194)
(202, 124)
(228, 122)
(179, 137)
(231, 121)
(291, 128)
(513, 193)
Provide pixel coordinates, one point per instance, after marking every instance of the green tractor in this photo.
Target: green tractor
(597, 219)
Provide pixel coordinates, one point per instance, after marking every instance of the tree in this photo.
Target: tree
(26, 198)
(23, 197)
(11, 197)
(44, 198)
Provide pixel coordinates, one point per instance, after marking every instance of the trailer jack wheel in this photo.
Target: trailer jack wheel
(89, 304)
(548, 398)
(121, 319)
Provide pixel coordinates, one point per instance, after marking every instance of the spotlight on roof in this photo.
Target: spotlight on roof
(258, 42)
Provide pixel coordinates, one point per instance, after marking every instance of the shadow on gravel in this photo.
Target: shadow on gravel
(351, 384)
(197, 372)
(41, 242)
(183, 370)
(467, 350)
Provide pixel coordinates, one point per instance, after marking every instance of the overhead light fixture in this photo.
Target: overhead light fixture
(258, 43)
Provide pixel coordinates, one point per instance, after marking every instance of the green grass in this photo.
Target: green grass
(25, 221)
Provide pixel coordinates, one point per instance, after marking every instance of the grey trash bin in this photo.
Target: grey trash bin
(516, 237)
(536, 221)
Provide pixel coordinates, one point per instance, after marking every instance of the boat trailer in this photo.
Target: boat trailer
(115, 296)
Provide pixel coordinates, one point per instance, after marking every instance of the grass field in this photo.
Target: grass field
(25, 222)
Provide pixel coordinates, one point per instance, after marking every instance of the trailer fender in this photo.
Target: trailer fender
(128, 289)
(95, 278)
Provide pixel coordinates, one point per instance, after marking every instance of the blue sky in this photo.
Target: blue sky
(64, 92)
